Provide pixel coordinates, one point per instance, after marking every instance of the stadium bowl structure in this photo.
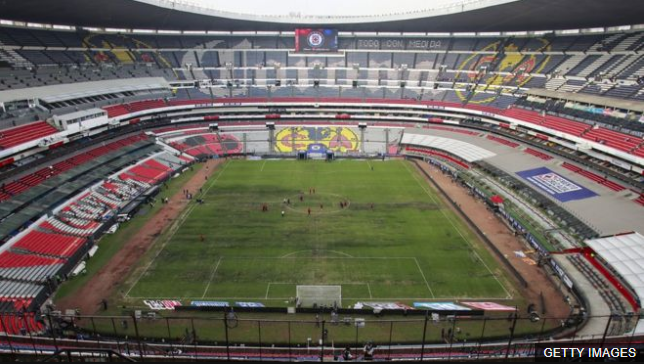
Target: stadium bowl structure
(221, 195)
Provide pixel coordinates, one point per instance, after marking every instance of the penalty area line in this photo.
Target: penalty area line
(212, 276)
(423, 276)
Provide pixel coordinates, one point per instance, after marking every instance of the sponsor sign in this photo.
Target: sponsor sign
(489, 306)
(250, 304)
(209, 304)
(162, 304)
(555, 185)
(440, 306)
(385, 305)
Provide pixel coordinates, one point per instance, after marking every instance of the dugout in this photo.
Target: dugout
(133, 206)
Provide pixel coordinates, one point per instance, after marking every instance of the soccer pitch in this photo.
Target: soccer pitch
(395, 239)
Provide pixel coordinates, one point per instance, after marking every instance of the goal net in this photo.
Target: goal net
(309, 296)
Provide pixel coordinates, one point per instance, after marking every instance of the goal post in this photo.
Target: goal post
(309, 296)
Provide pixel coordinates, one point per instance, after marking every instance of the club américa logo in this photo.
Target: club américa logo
(315, 39)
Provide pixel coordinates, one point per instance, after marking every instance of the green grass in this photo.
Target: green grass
(395, 241)
(109, 245)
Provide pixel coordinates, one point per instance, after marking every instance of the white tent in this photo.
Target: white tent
(625, 255)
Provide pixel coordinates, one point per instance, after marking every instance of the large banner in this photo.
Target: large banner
(440, 306)
(489, 306)
(555, 185)
(162, 304)
(250, 304)
(383, 305)
(209, 304)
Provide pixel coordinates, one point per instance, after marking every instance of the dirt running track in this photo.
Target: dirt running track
(105, 281)
(506, 242)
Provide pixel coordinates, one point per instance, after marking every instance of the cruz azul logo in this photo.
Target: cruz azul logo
(315, 39)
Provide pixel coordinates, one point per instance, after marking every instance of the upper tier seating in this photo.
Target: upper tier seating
(613, 139)
(548, 121)
(21, 134)
(18, 186)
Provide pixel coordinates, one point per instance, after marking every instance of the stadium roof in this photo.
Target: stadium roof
(478, 16)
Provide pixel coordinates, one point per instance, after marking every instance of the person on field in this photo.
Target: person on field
(309, 211)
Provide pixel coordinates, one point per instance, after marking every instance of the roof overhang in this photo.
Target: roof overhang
(522, 15)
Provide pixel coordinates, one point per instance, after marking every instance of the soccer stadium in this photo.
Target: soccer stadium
(332, 181)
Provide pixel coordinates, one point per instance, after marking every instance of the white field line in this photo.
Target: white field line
(178, 223)
(267, 293)
(212, 275)
(423, 276)
(458, 230)
(174, 229)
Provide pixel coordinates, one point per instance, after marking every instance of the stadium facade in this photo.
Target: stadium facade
(537, 103)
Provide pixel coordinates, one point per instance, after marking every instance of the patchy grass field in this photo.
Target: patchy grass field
(395, 240)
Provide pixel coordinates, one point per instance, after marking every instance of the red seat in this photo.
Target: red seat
(12, 260)
(49, 243)
(538, 154)
(503, 141)
(441, 155)
(594, 177)
(21, 134)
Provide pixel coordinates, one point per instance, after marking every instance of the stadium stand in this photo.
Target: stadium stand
(48, 244)
(15, 136)
(538, 154)
(503, 141)
(19, 186)
(16, 318)
(593, 177)
(436, 154)
(54, 203)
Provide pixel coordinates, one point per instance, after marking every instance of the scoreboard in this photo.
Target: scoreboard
(316, 40)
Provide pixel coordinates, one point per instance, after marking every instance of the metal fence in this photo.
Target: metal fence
(224, 335)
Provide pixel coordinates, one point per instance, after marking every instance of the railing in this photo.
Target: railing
(226, 336)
